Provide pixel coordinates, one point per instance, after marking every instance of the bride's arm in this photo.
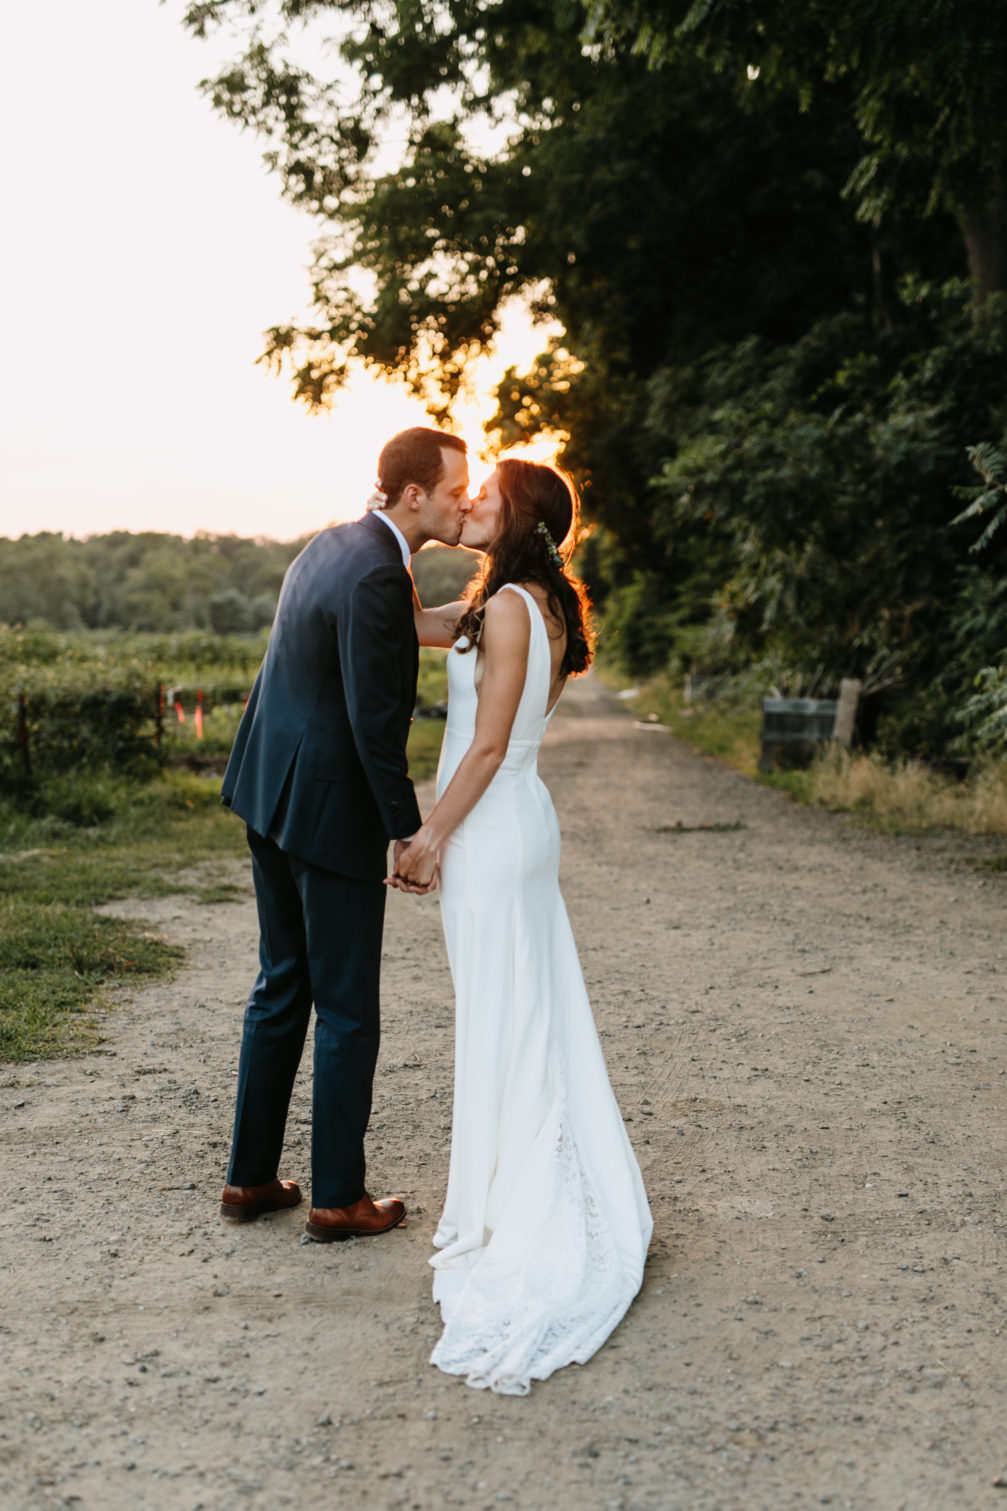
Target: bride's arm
(505, 639)
(437, 626)
(433, 626)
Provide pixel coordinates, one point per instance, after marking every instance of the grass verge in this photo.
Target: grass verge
(85, 838)
(728, 729)
(902, 797)
(905, 797)
(89, 837)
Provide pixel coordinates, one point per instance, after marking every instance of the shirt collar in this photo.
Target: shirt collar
(403, 543)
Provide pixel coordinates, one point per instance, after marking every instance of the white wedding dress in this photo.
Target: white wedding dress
(546, 1223)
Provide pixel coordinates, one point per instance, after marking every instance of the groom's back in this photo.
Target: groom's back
(295, 771)
(303, 643)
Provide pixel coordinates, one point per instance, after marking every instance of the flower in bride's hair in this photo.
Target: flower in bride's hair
(552, 550)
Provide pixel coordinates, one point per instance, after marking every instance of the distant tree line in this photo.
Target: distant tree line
(225, 584)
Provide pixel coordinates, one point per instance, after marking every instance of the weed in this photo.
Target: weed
(990, 863)
(906, 797)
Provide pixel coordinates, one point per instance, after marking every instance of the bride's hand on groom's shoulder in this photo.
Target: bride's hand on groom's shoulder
(377, 500)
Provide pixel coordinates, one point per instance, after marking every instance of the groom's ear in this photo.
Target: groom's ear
(412, 496)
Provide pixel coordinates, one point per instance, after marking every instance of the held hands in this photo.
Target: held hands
(415, 865)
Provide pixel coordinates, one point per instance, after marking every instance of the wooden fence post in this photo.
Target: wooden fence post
(846, 710)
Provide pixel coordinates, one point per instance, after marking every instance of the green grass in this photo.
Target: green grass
(728, 730)
(183, 748)
(991, 863)
(220, 725)
(425, 735)
(54, 962)
(432, 683)
(89, 837)
(425, 738)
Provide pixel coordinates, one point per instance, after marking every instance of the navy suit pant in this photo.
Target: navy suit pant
(320, 943)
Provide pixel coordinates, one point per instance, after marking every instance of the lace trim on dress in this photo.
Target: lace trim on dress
(544, 1296)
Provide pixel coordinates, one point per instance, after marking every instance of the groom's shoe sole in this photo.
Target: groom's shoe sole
(245, 1203)
(364, 1219)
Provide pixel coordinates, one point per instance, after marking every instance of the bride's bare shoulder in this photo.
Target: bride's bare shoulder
(505, 617)
(554, 624)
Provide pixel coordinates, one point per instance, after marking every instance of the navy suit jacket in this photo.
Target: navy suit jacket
(319, 760)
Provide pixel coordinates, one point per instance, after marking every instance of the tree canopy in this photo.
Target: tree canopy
(772, 234)
(927, 85)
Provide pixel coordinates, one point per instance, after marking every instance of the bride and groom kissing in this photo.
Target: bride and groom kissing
(545, 1227)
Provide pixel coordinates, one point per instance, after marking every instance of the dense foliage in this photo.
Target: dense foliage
(773, 235)
(130, 704)
(984, 714)
(88, 700)
(925, 83)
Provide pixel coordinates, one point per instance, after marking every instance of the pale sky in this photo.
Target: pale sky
(145, 250)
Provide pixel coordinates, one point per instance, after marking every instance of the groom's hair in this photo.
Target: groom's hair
(414, 456)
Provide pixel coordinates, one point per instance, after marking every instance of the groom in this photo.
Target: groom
(319, 774)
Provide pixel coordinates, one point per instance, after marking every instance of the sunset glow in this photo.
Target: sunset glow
(135, 298)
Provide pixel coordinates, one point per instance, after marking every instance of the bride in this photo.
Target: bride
(544, 1234)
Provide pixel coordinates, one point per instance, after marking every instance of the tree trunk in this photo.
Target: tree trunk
(984, 227)
(885, 298)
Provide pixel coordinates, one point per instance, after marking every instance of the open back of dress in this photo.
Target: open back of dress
(546, 1223)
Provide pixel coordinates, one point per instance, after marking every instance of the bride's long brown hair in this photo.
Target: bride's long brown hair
(534, 495)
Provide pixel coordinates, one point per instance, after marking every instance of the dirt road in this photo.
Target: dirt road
(805, 1028)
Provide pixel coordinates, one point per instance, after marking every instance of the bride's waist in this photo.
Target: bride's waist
(466, 736)
(516, 774)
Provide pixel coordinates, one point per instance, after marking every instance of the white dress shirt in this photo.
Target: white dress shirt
(403, 543)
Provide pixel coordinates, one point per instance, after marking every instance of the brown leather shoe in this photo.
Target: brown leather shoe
(364, 1217)
(243, 1203)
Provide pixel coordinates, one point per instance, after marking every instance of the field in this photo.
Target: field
(118, 797)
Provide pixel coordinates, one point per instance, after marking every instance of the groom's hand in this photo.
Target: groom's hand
(407, 886)
(416, 863)
(404, 883)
